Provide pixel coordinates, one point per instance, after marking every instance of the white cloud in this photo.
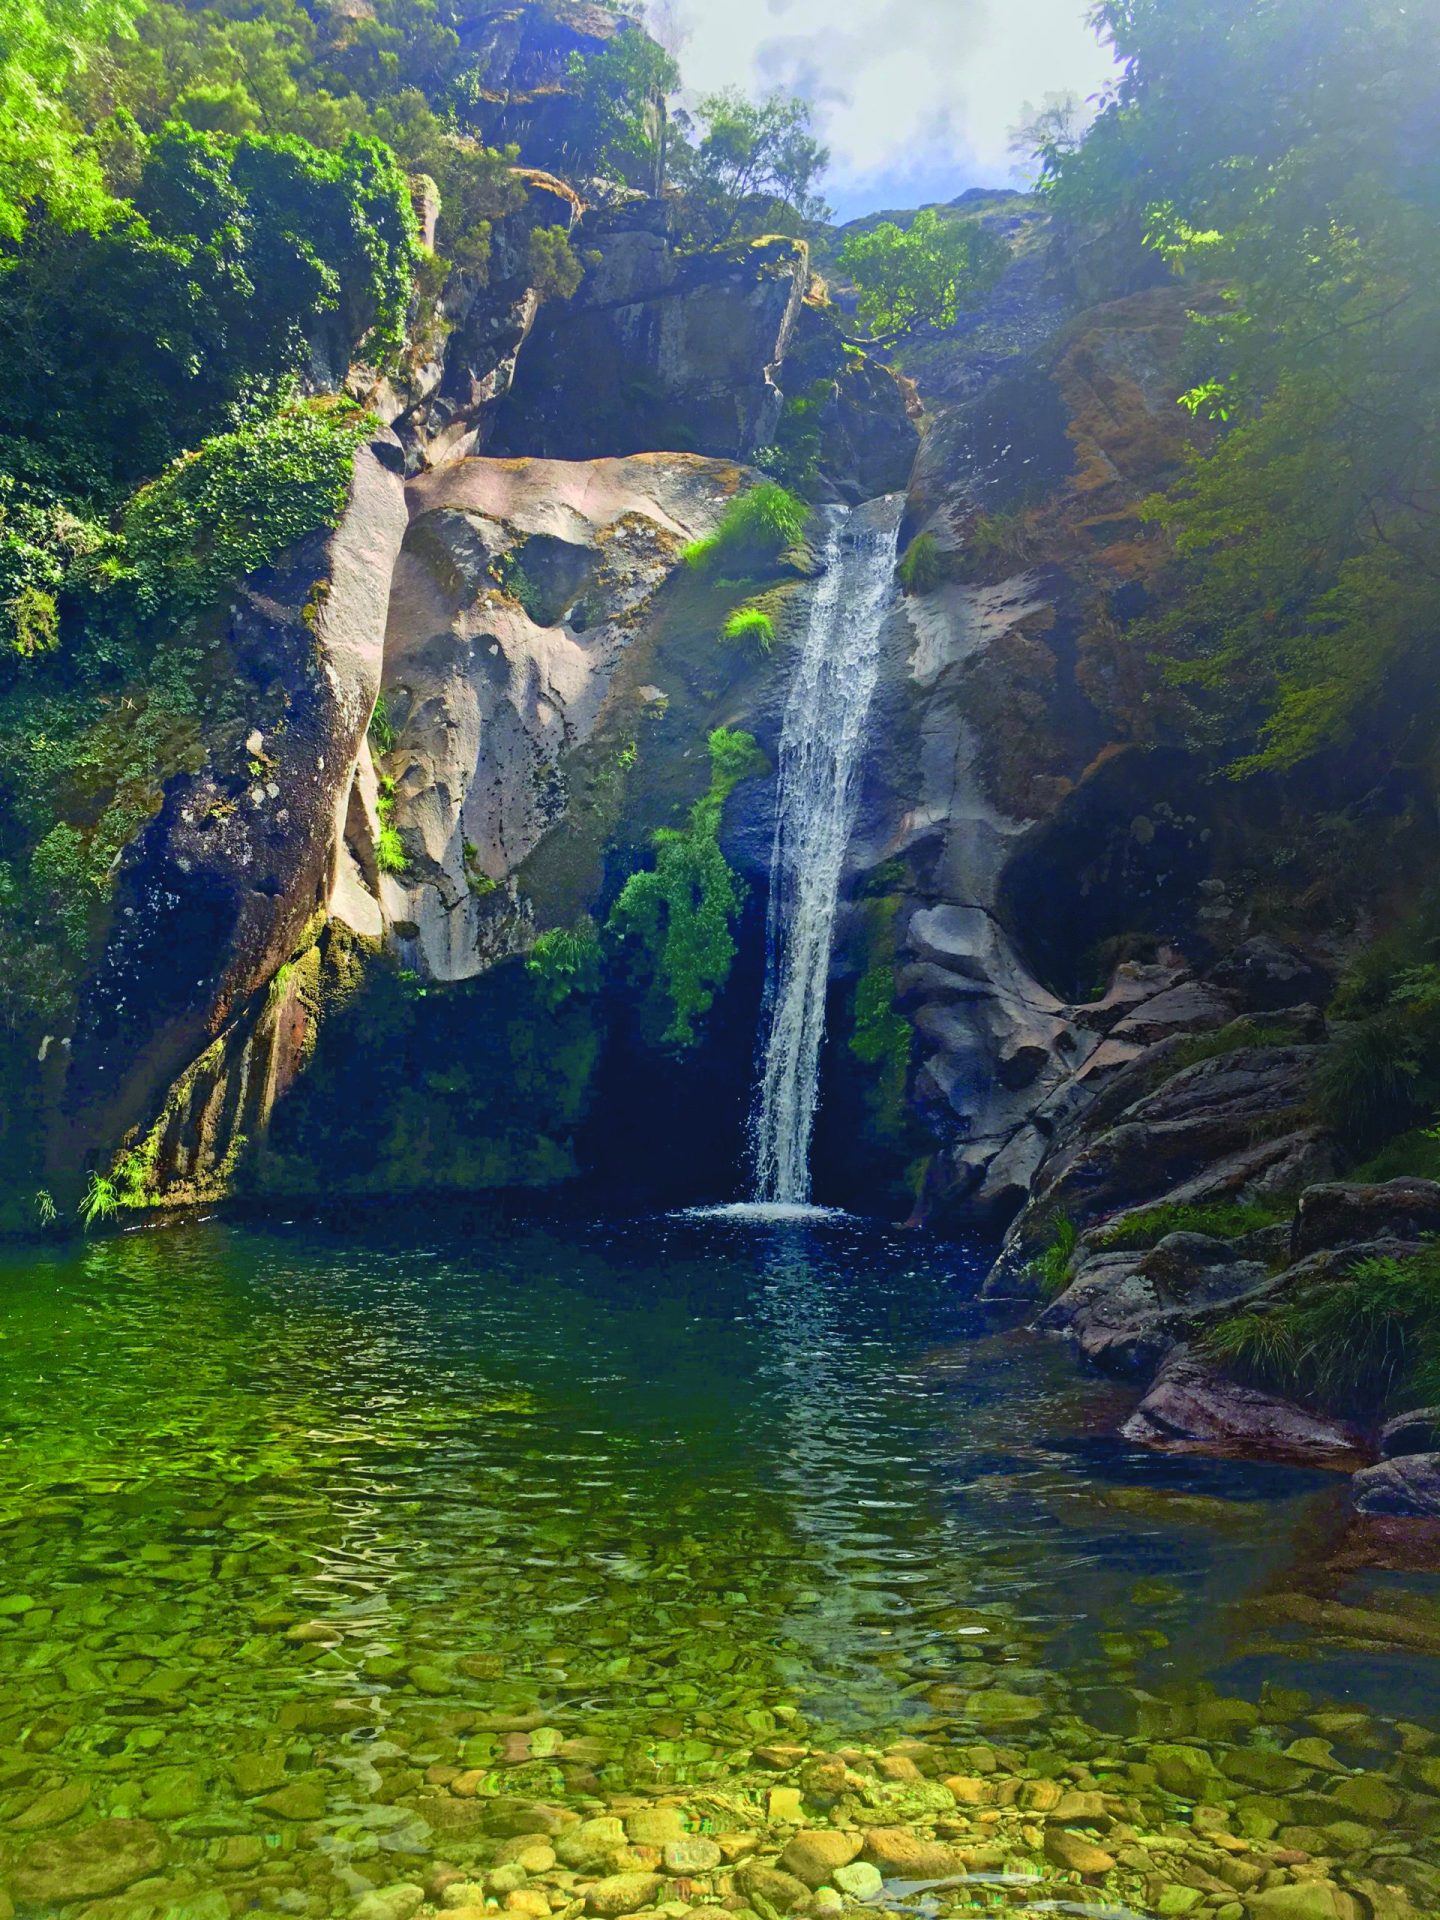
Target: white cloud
(916, 97)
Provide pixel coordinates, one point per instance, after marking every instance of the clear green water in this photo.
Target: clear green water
(320, 1557)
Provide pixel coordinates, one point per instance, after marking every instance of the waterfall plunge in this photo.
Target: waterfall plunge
(820, 756)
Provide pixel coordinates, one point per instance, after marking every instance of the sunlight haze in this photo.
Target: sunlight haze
(915, 97)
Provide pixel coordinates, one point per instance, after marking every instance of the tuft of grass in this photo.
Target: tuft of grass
(1359, 1344)
(1051, 1269)
(390, 854)
(757, 528)
(45, 1211)
(381, 729)
(923, 568)
(1239, 1036)
(101, 1201)
(1224, 1220)
(750, 626)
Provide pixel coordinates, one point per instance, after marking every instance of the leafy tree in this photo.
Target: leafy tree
(621, 118)
(1289, 155)
(43, 44)
(754, 168)
(916, 280)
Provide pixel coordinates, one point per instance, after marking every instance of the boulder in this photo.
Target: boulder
(814, 1856)
(1192, 1407)
(1406, 1486)
(102, 1858)
(217, 891)
(1125, 1311)
(1265, 976)
(1415, 1432)
(658, 349)
(519, 592)
(1341, 1212)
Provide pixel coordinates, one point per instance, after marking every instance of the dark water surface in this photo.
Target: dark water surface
(312, 1548)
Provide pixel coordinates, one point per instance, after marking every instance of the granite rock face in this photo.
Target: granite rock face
(218, 891)
(1193, 1408)
(519, 589)
(659, 349)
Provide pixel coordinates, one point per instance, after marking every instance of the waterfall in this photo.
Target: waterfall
(820, 755)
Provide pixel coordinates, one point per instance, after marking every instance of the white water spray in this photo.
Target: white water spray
(814, 815)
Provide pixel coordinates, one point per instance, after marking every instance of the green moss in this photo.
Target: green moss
(1237, 1037)
(1050, 1269)
(751, 626)
(676, 919)
(923, 567)
(756, 529)
(1222, 1221)
(1358, 1344)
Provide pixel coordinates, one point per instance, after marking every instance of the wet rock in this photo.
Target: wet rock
(860, 1880)
(1341, 1213)
(622, 1893)
(655, 1826)
(1125, 1311)
(303, 1800)
(777, 1888)
(529, 1851)
(690, 1855)
(1191, 1407)
(1408, 1486)
(815, 1855)
(397, 1902)
(102, 1858)
(903, 1855)
(1304, 1900)
(1076, 1854)
(591, 1845)
(1266, 976)
(1414, 1432)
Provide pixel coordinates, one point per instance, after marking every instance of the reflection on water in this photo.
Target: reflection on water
(318, 1558)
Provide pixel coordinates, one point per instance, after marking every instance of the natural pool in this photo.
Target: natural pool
(416, 1564)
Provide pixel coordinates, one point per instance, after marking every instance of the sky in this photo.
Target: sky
(916, 98)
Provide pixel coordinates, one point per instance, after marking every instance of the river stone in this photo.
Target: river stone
(1408, 1487)
(1414, 1432)
(102, 1858)
(506, 1879)
(778, 1889)
(1187, 1772)
(903, 1855)
(1075, 1853)
(590, 1846)
(396, 1902)
(860, 1880)
(655, 1826)
(621, 1893)
(303, 1800)
(691, 1854)
(814, 1856)
(1367, 1796)
(1304, 1900)
(50, 1809)
(528, 1850)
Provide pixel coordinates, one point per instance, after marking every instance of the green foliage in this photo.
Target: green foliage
(793, 458)
(922, 569)
(1239, 1036)
(1050, 1269)
(101, 1201)
(390, 855)
(1221, 1220)
(757, 527)
(619, 126)
(750, 626)
(232, 507)
(566, 961)
(676, 918)
(881, 1038)
(125, 347)
(1380, 1076)
(916, 280)
(754, 169)
(1358, 1344)
(381, 729)
(46, 1213)
(43, 45)
(1276, 150)
(552, 268)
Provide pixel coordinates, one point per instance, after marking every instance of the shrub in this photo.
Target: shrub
(756, 529)
(101, 1201)
(1222, 1220)
(565, 961)
(923, 567)
(381, 729)
(750, 626)
(551, 266)
(679, 914)
(1050, 1269)
(1359, 1343)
